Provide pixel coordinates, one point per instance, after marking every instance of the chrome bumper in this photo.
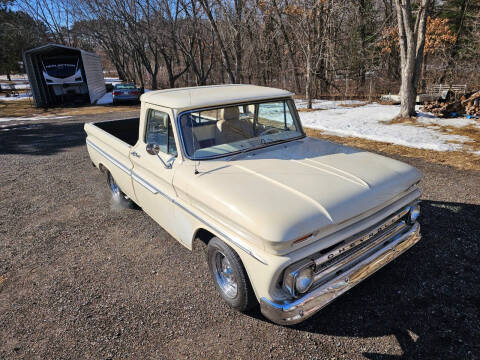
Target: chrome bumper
(288, 313)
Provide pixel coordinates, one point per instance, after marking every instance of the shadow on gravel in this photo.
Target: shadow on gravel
(40, 138)
(429, 298)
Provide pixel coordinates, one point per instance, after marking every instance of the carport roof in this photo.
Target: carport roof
(49, 47)
(207, 96)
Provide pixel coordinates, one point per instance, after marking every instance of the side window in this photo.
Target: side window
(159, 131)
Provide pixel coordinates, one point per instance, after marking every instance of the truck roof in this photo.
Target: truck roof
(207, 96)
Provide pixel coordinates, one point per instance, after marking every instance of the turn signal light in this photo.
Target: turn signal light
(302, 238)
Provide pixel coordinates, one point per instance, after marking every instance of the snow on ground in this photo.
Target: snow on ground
(326, 104)
(370, 122)
(16, 86)
(33, 118)
(19, 97)
(105, 99)
(14, 77)
(113, 81)
(428, 119)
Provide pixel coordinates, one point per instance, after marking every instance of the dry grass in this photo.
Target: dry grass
(403, 120)
(458, 159)
(309, 110)
(386, 102)
(26, 107)
(353, 105)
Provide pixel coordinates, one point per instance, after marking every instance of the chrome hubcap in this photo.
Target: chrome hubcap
(224, 275)
(113, 186)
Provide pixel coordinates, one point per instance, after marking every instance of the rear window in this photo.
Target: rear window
(125, 86)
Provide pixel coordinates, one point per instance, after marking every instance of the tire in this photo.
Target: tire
(229, 276)
(118, 196)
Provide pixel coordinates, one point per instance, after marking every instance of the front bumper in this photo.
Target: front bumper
(288, 313)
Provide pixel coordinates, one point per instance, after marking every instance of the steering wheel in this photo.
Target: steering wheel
(265, 132)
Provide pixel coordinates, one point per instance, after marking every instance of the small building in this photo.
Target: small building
(61, 74)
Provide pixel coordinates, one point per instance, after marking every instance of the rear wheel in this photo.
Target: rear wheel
(229, 275)
(117, 195)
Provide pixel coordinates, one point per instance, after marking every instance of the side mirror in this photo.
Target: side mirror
(153, 149)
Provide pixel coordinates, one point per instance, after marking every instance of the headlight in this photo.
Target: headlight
(298, 277)
(413, 214)
(304, 280)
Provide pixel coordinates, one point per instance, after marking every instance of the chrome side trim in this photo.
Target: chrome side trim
(155, 190)
(147, 185)
(293, 312)
(110, 158)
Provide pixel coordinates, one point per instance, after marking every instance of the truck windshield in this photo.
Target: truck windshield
(236, 128)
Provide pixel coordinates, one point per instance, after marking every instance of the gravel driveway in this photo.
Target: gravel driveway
(81, 279)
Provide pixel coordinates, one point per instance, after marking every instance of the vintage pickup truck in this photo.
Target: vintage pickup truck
(291, 222)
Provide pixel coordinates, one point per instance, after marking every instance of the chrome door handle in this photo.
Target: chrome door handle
(134, 153)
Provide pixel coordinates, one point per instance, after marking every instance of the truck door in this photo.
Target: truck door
(153, 166)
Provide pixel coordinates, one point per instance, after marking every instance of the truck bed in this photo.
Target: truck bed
(125, 129)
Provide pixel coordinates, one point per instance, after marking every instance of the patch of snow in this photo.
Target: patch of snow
(105, 99)
(19, 97)
(33, 118)
(369, 122)
(113, 81)
(14, 77)
(455, 122)
(326, 104)
(22, 86)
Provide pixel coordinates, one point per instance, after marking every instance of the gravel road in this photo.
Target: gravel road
(80, 279)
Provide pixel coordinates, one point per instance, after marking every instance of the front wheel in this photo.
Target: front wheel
(229, 275)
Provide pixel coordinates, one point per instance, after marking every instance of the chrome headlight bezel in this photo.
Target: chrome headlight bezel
(413, 214)
(294, 273)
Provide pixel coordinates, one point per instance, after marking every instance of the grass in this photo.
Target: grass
(19, 108)
(458, 159)
(309, 110)
(354, 105)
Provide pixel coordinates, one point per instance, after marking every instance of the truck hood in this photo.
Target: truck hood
(287, 191)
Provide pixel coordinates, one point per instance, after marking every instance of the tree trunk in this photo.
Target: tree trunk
(308, 80)
(289, 44)
(412, 41)
(408, 94)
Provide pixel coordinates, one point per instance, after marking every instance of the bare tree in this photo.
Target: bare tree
(412, 41)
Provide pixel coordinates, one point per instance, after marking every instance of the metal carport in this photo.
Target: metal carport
(42, 94)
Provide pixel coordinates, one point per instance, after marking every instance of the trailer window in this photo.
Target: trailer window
(159, 131)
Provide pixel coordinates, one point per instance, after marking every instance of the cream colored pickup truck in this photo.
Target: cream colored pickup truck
(291, 222)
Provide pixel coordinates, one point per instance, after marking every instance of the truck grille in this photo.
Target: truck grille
(341, 256)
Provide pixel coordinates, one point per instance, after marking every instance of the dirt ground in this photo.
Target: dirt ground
(27, 108)
(80, 279)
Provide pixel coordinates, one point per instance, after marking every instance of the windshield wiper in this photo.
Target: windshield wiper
(261, 146)
(240, 152)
